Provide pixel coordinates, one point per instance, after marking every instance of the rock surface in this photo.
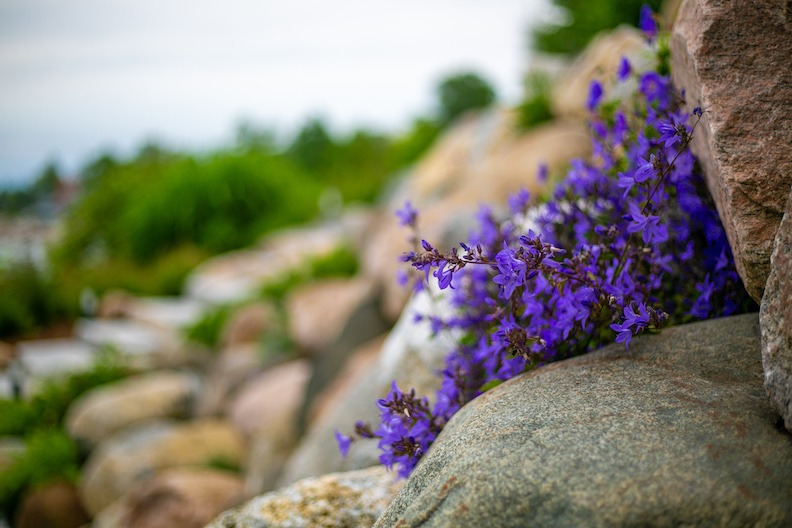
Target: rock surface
(230, 370)
(110, 408)
(186, 497)
(732, 58)
(273, 396)
(775, 319)
(677, 431)
(318, 311)
(338, 500)
(54, 505)
(411, 357)
(248, 323)
(134, 455)
(599, 61)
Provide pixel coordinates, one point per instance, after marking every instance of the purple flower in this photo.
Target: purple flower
(624, 69)
(644, 171)
(512, 272)
(654, 87)
(519, 202)
(652, 231)
(542, 173)
(344, 442)
(594, 95)
(407, 215)
(647, 23)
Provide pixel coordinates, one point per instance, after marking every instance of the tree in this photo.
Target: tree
(461, 93)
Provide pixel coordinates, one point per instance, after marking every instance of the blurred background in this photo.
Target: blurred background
(138, 140)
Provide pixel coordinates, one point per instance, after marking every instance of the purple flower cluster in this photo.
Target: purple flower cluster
(629, 242)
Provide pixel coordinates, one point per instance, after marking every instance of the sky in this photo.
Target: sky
(80, 77)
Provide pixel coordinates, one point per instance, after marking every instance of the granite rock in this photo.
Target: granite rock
(338, 500)
(110, 408)
(775, 320)
(183, 497)
(732, 59)
(675, 431)
(133, 455)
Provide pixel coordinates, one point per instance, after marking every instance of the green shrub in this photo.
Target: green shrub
(30, 299)
(461, 93)
(48, 406)
(208, 328)
(145, 209)
(16, 418)
(49, 455)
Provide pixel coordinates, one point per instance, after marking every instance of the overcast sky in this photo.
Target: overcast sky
(79, 76)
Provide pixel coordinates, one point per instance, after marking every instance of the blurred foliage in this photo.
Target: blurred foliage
(30, 298)
(208, 329)
(49, 455)
(535, 107)
(341, 262)
(461, 93)
(409, 147)
(143, 209)
(580, 20)
(142, 223)
(48, 405)
(18, 200)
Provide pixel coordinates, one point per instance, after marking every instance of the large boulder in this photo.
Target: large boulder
(338, 500)
(110, 408)
(732, 58)
(675, 431)
(184, 497)
(775, 319)
(133, 455)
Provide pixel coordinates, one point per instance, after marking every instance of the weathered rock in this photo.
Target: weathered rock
(676, 431)
(110, 408)
(318, 311)
(115, 303)
(54, 505)
(599, 61)
(732, 58)
(364, 324)
(141, 345)
(237, 275)
(775, 320)
(133, 455)
(358, 366)
(273, 396)
(185, 497)
(51, 358)
(265, 411)
(167, 313)
(338, 500)
(248, 323)
(232, 369)
(411, 357)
